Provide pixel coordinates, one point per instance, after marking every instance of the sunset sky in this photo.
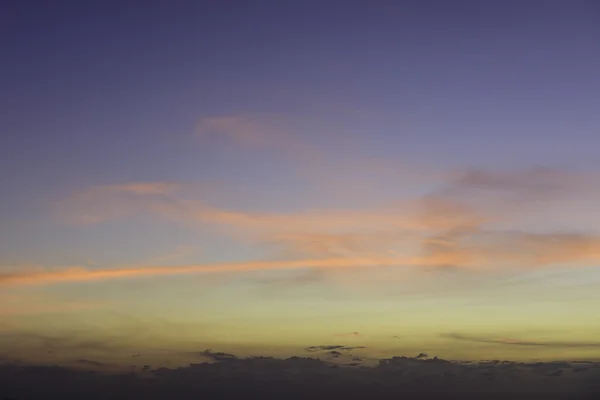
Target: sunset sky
(259, 177)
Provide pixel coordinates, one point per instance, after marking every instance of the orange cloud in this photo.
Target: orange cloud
(497, 250)
(515, 249)
(454, 226)
(146, 187)
(77, 274)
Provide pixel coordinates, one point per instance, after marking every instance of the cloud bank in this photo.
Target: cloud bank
(298, 377)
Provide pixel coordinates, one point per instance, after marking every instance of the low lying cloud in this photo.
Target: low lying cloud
(300, 378)
(518, 342)
(333, 347)
(91, 363)
(217, 356)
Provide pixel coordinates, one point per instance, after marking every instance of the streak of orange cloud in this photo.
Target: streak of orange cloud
(455, 226)
(77, 274)
(544, 251)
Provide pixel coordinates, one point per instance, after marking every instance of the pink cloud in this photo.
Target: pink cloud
(455, 226)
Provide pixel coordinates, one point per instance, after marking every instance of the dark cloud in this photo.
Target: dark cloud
(516, 342)
(233, 377)
(332, 347)
(91, 363)
(217, 356)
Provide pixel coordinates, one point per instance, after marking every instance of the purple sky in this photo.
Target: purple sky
(276, 107)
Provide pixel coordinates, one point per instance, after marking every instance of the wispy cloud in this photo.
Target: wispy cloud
(347, 334)
(470, 223)
(98, 204)
(77, 274)
(142, 187)
(518, 342)
(330, 347)
(259, 132)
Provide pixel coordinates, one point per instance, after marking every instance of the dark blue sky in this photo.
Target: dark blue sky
(76, 76)
(106, 92)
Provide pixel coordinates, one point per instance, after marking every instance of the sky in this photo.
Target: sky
(263, 177)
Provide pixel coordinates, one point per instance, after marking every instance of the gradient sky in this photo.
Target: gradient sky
(259, 177)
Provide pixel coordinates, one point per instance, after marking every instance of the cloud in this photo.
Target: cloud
(102, 203)
(486, 204)
(345, 172)
(514, 249)
(258, 132)
(78, 274)
(326, 221)
(242, 128)
(351, 334)
(142, 188)
(91, 363)
(332, 347)
(299, 378)
(518, 342)
(471, 223)
(533, 183)
(217, 356)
